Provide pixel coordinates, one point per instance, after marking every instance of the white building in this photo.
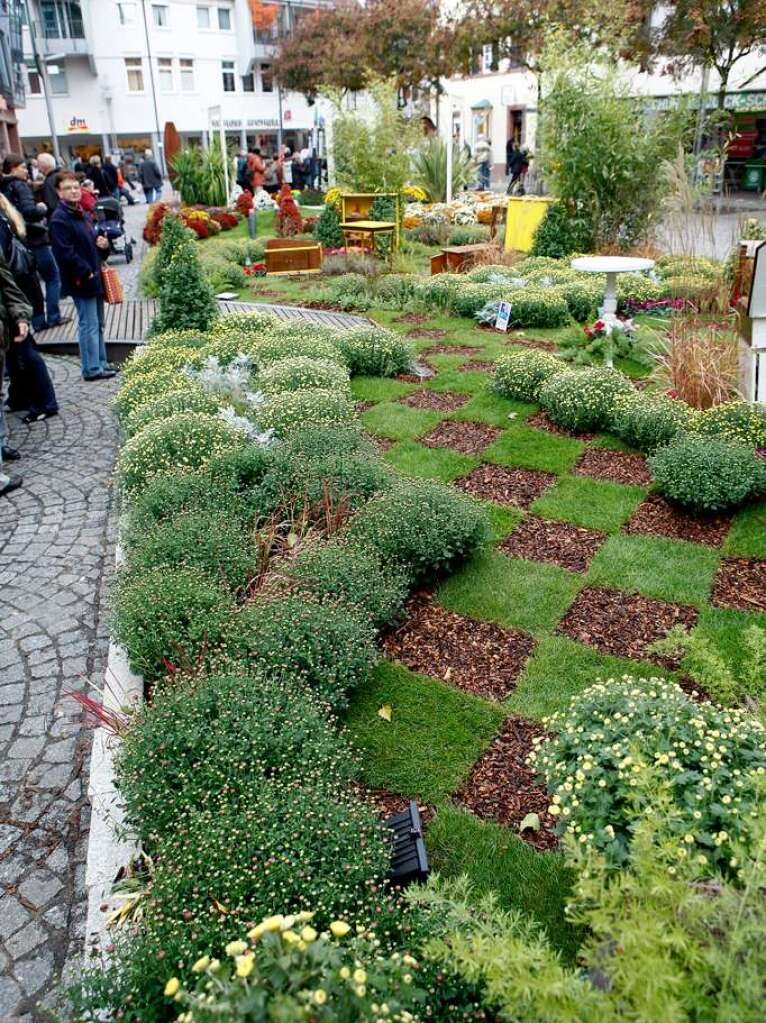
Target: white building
(120, 69)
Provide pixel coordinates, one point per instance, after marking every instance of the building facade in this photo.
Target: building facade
(118, 70)
(11, 73)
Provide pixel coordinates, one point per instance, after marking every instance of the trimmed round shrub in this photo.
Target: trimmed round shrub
(439, 291)
(647, 422)
(561, 233)
(329, 649)
(583, 399)
(222, 275)
(421, 526)
(148, 360)
(374, 351)
(277, 346)
(170, 404)
(739, 421)
(470, 298)
(163, 617)
(706, 474)
(520, 373)
(148, 386)
(302, 373)
(395, 291)
(638, 288)
(223, 732)
(251, 324)
(688, 286)
(343, 572)
(491, 272)
(178, 339)
(183, 443)
(582, 298)
(537, 307)
(615, 731)
(293, 409)
(534, 263)
(202, 538)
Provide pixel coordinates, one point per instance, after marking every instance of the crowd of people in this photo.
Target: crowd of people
(301, 169)
(52, 246)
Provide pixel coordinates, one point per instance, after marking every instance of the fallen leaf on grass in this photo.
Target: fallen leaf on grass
(385, 712)
(530, 823)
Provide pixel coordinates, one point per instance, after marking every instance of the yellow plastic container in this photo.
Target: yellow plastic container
(525, 214)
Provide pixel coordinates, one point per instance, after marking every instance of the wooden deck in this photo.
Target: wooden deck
(128, 322)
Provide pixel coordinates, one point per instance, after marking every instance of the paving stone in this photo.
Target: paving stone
(26, 747)
(13, 916)
(25, 940)
(34, 973)
(40, 889)
(10, 993)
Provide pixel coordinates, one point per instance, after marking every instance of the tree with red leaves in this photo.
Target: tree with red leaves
(289, 220)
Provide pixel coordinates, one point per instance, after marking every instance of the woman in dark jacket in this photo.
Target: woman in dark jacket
(14, 327)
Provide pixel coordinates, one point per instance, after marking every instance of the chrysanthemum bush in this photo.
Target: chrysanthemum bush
(708, 474)
(182, 443)
(711, 759)
(289, 410)
(170, 404)
(147, 387)
(583, 399)
(374, 351)
(148, 360)
(647, 422)
(179, 339)
(521, 373)
(301, 373)
(739, 421)
(339, 974)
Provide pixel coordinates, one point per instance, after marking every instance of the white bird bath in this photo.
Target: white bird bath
(611, 266)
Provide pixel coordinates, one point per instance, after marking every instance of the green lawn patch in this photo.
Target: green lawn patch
(435, 735)
(502, 520)
(486, 407)
(432, 463)
(560, 669)
(594, 504)
(521, 594)
(380, 388)
(657, 567)
(747, 536)
(497, 861)
(723, 628)
(469, 382)
(399, 422)
(534, 449)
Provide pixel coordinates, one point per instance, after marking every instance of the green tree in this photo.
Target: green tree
(173, 237)
(186, 299)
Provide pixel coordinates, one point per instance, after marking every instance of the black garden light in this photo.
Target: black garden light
(409, 861)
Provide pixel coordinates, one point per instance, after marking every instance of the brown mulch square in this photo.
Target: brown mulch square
(531, 342)
(412, 318)
(657, 517)
(541, 421)
(467, 438)
(623, 624)
(641, 383)
(560, 543)
(504, 485)
(363, 406)
(388, 803)
(451, 350)
(618, 466)
(433, 332)
(413, 378)
(381, 443)
(477, 366)
(439, 401)
(740, 583)
(478, 657)
(503, 788)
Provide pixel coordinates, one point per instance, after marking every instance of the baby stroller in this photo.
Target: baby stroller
(111, 224)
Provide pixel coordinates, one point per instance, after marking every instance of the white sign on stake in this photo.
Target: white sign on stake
(503, 316)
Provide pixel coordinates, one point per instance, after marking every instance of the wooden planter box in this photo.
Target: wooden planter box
(292, 256)
(459, 258)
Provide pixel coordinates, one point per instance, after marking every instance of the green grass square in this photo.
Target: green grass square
(520, 594)
(490, 408)
(593, 504)
(430, 463)
(399, 422)
(723, 629)
(747, 536)
(497, 861)
(468, 382)
(534, 449)
(502, 520)
(656, 567)
(444, 363)
(560, 669)
(379, 388)
(435, 735)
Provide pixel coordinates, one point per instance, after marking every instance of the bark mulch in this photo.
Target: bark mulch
(740, 583)
(479, 657)
(503, 485)
(413, 378)
(388, 803)
(468, 438)
(531, 342)
(623, 624)
(433, 332)
(541, 421)
(383, 444)
(657, 517)
(503, 788)
(557, 542)
(618, 466)
(641, 384)
(269, 293)
(451, 350)
(412, 318)
(363, 406)
(478, 366)
(439, 401)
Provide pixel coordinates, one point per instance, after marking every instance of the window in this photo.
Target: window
(267, 78)
(187, 74)
(62, 19)
(203, 17)
(165, 73)
(126, 13)
(35, 84)
(58, 81)
(486, 57)
(160, 15)
(227, 72)
(248, 83)
(134, 68)
(224, 19)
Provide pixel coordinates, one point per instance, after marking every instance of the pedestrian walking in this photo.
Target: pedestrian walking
(483, 154)
(100, 180)
(515, 164)
(256, 169)
(150, 177)
(48, 193)
(80, 254)
(15, 188)
(14, 327)
(109, 171)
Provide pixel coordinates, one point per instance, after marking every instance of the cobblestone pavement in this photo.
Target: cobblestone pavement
(56, 550)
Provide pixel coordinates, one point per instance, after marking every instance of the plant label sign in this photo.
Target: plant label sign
(503, 316)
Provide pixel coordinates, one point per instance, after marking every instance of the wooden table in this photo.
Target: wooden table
(458, 258)
(370, 228)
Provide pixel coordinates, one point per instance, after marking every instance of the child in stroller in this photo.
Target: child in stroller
(111, 224)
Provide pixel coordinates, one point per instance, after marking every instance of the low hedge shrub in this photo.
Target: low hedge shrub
(290, 410)
(439, 292)
(374, 351)
(492, 272)
(538, 307)
(184, 442)
(395, 291)
(470, 298)
(616, 729)
(582, 299)
(347, 573)
(582, 400)
(423, 527)
(170, 404)
(743, 422)
(648, 422)
(706, 474)
(520, 373)
(147, 387)
(329, 649)
(302, 373)
(163, 617)
(276, 346)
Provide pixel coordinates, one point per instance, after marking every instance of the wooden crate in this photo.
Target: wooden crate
(357, 206)
(292, 256)
(459, 258)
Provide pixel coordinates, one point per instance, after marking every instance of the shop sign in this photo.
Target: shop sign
(78, 124)
(251, 122)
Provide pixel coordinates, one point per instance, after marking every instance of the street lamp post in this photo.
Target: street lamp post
(159, 146)
(42, 70)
